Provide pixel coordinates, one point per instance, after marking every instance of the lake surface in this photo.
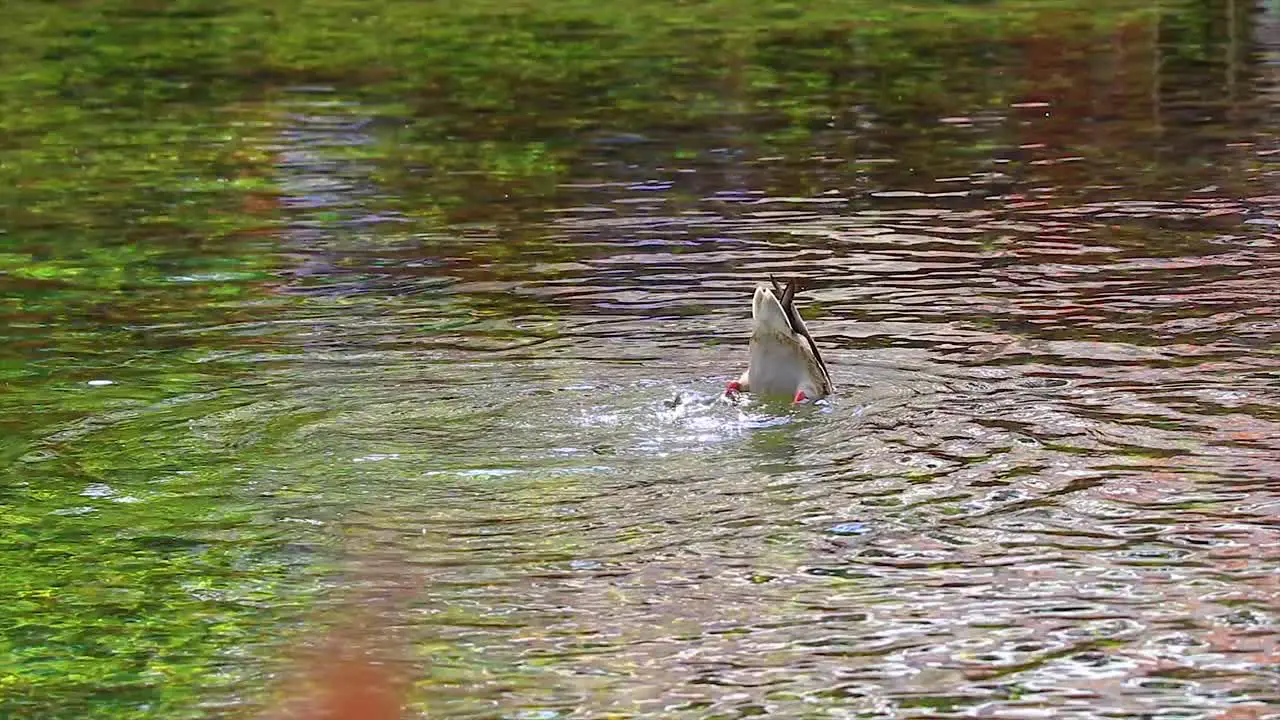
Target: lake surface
(418, 315)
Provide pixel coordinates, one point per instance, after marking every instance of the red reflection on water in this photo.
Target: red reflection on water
(341, 682)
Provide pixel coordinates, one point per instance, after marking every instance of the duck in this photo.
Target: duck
(783, 359)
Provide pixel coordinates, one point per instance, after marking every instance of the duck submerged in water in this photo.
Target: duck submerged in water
(783, 358)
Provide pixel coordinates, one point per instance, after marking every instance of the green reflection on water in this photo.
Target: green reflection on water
(141, 575)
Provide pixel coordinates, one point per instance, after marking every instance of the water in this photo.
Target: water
(447, 360)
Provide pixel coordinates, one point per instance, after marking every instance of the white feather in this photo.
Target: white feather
(781, 362)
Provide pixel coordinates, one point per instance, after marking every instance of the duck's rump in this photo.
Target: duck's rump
(786, 298)
(779, 365)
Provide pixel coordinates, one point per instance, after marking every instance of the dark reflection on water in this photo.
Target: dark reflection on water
(1048, 485)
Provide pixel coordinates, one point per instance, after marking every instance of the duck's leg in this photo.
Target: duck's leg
(734, 387)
